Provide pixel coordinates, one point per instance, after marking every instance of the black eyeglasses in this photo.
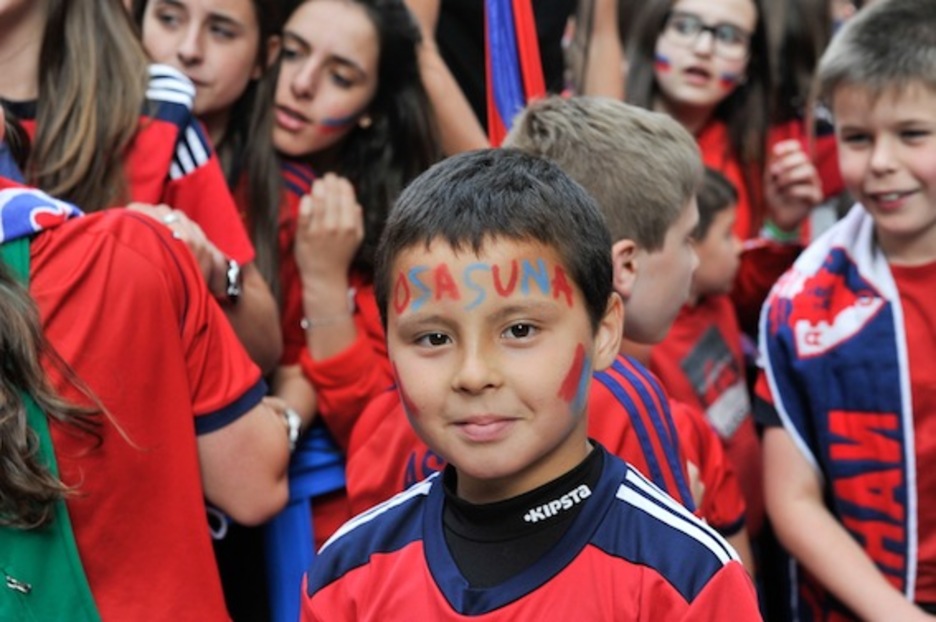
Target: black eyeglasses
(730, 41)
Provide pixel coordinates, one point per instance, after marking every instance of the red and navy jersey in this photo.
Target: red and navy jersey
(171, 161)
(632, 553)
(627, 413)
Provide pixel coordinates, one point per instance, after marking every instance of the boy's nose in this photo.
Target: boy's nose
(476, 372)
(882, 156)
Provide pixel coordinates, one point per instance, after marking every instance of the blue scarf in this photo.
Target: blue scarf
(835, 355)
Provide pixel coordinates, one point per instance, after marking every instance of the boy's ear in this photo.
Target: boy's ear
(624, 259)
(609, 333)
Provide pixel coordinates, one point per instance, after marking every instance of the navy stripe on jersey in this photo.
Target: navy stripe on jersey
(192, 151)
(644, 383)
(670, 451)
(217, 419)
(367, 534)
(297, 177)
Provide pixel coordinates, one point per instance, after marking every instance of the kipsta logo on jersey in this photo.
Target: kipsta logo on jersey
(831, 305)
(565, 502)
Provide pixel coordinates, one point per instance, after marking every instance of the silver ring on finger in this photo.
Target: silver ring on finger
(170, 218)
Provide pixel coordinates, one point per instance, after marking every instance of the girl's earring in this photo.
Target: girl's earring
(365, 122)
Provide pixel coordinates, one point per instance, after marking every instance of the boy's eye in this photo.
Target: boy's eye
(520, 331)
(856, 138)
(433, 340)
(914, 134)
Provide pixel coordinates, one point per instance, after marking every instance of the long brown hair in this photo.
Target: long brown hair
(28, 490)
(92, 85)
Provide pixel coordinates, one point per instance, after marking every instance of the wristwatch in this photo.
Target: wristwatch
(235, 282)
(293, 425)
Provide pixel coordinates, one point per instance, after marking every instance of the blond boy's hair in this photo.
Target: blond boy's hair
(641, 167)
(891, 43)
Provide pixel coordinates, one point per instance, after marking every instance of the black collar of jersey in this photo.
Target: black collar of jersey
(512, 518)
(476, 601)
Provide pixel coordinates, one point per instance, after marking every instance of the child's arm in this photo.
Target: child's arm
(459, 129)
(604, 68)
(812, 534)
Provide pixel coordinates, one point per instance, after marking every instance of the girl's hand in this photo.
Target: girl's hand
(211, 261)
(792, 187)
(330, 230)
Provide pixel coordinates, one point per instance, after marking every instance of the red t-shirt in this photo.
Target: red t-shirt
(700, 362)
(916, 286)
(171, 161)
(126, 307)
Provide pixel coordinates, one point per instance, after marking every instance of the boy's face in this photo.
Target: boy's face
(719, 256)
(493, 355)
(663, 280)
(887, 154)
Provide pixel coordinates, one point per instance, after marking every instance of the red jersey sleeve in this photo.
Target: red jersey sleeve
(722, 504)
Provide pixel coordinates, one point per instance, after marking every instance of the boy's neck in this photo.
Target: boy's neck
(20, 45)
(639, 351)
(479, 491)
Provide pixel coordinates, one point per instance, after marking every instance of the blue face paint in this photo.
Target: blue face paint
(480, 292)
(424, 291)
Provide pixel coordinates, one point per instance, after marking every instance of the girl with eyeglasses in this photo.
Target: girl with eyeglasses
(706, 63)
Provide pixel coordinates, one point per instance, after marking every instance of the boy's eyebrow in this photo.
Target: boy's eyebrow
(520, 308)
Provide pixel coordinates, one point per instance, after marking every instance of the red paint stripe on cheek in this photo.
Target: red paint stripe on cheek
(571, 383)
(408, 405)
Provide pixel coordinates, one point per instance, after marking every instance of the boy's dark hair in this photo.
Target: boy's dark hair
(715, 195)
(470, 199)
(891, 43)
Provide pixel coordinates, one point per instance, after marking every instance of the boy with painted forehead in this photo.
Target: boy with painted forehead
(494, 279)
(848, 339)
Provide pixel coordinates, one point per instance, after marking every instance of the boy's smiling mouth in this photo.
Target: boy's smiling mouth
(484, 428)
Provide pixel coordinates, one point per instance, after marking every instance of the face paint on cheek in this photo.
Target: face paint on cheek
(332, 125)
(662, 64)
(411, 411)
(729, 81)
(574, 388)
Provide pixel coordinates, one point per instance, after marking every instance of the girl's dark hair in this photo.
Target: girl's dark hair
(799, 32)
(746, 112)
(246, 149)
(28, 490)
(92, 84)
(401, 142)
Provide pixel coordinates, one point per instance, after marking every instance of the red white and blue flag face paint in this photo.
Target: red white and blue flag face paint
(26, 211)
(662, 63)
(334, 125)
(729, 80)
(513, 67)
